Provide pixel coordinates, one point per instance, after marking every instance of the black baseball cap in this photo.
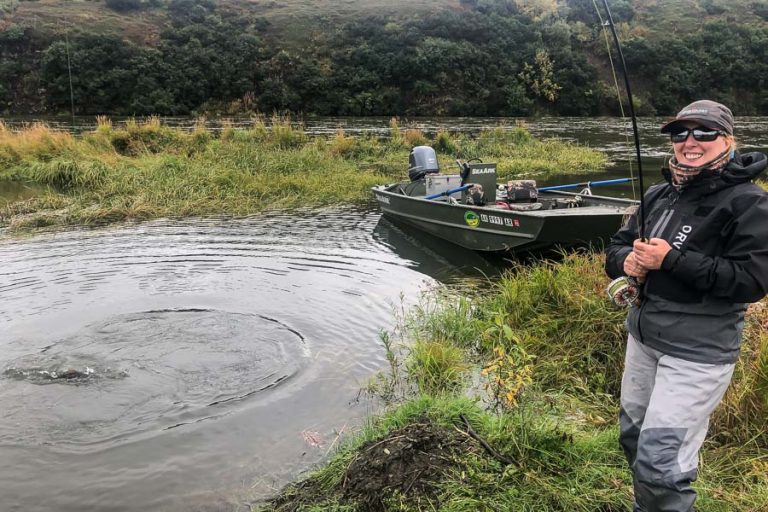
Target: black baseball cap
(708, 113)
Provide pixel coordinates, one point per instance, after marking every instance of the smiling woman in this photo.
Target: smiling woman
(706, 259)
(702, 138)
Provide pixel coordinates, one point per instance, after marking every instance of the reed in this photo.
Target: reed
(227, 129)
(103, 123)
(259, 128)
(284, 135)
(341, 145)
(414, 137)
(395, 135)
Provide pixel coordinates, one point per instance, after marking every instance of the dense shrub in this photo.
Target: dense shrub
(490, 58)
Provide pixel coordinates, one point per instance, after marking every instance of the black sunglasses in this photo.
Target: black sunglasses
(699, 134)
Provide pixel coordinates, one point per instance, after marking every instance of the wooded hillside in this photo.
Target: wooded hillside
(376, 57)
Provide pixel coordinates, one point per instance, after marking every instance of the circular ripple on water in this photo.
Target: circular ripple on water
(141, 373)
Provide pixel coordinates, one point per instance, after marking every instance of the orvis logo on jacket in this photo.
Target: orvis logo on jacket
(682, 236)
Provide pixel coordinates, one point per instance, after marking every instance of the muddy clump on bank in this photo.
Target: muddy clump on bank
(408, 463)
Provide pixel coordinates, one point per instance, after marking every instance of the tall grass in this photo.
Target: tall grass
(554, 465)
(743, 417)
(35, 142)
(436, 367)
(558, 313)
(145, 169)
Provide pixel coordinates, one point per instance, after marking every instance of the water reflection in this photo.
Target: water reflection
(433, 256)
(13, 191)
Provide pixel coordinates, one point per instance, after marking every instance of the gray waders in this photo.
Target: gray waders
(665, 407)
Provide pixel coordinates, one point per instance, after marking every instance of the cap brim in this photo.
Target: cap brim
(670, 126)
(676, 123)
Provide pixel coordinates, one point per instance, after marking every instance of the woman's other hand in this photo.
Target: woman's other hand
(633, 268)
(651, 255)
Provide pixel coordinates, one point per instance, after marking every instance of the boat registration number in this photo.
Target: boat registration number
(501, 221)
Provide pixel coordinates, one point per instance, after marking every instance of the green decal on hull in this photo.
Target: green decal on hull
(472, 219)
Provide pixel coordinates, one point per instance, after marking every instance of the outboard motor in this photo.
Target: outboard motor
(423, 161)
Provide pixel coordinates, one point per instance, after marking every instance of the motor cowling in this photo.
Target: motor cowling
(422, 161)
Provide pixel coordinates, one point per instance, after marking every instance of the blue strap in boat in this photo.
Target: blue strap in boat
(586, 184)
(448, 192)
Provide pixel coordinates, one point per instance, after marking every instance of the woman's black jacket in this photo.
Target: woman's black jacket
(693, 307)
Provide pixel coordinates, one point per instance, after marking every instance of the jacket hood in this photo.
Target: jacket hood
(742, 168)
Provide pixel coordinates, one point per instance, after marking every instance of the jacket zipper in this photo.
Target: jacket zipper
(667, 211)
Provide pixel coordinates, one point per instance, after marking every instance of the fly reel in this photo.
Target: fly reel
(624, 291)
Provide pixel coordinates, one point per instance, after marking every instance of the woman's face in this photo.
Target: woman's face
(696, 153)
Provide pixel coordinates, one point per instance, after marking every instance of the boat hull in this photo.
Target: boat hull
(496, 229)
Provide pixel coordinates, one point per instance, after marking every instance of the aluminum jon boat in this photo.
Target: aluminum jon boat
(471, 210)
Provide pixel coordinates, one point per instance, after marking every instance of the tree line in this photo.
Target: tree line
(490, 58)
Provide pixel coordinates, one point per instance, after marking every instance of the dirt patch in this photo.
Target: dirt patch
(408, 462)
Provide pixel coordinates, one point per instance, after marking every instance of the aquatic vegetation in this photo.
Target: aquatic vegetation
(66, 174)
(146, 170)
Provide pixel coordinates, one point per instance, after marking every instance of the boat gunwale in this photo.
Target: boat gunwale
(555, 212)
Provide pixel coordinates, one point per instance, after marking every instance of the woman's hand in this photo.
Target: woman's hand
(633, 268)
(651, 255)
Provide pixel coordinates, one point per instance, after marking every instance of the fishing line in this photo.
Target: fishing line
(626, 290)
(641, 223)
(618, 92)
(69, 71)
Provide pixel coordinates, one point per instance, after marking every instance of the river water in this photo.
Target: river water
(202, 364)
(197, 364)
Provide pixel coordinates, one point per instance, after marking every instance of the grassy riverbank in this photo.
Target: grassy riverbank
(147, 170)
(507, 400)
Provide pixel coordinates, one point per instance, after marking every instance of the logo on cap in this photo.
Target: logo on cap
(693, 111)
